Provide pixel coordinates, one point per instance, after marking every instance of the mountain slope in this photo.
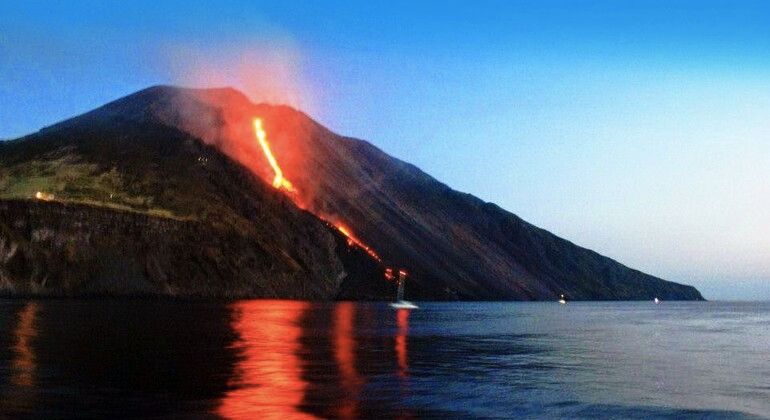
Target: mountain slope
(454, 245)
(143, 208)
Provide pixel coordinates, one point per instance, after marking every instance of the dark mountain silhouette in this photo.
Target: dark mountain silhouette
(170, 171)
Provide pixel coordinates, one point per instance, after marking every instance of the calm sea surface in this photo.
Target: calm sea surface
(279, 359)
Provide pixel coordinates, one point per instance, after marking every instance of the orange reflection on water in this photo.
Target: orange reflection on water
(267, 382)
(345, 355)
(24, 361)
(402, 320)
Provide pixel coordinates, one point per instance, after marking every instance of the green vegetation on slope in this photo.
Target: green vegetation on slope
(66, 179)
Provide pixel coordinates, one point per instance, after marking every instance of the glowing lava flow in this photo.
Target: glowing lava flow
(352, 240)
(279, 181)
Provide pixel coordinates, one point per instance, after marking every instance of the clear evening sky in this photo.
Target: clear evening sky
(640, 129)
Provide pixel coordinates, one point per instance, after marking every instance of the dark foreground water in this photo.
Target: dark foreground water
(276, 359)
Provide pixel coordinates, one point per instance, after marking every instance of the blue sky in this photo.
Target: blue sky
(639, 129)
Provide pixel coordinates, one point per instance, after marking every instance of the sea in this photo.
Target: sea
(263, 359)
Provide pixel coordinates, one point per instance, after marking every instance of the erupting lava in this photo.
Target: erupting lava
(352, 240)
(279, 181)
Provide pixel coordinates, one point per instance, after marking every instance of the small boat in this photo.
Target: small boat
(400, 303)
(656, 300)
(403, 304)
(562, 299)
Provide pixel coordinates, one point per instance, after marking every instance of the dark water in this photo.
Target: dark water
(275, 359)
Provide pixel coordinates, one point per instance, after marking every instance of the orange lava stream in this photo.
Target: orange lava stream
(279, 181)
(353, 241)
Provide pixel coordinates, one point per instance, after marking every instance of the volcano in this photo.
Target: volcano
(168, 192)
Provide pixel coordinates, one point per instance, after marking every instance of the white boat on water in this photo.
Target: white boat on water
(400, 303)
(656, 300)
(562, 299)
(403, 304)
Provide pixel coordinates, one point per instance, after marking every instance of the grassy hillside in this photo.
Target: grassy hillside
(65, 179)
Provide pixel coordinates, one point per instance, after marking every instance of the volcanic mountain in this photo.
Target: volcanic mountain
(167, 191)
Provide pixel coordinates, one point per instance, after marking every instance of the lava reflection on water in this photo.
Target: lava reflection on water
(402, 320)
(24, 361)
(267, 382)
(299, 359)
(345, 354)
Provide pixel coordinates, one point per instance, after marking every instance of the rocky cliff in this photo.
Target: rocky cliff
(58, 249)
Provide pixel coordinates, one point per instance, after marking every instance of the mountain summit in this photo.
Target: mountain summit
(181, 172)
